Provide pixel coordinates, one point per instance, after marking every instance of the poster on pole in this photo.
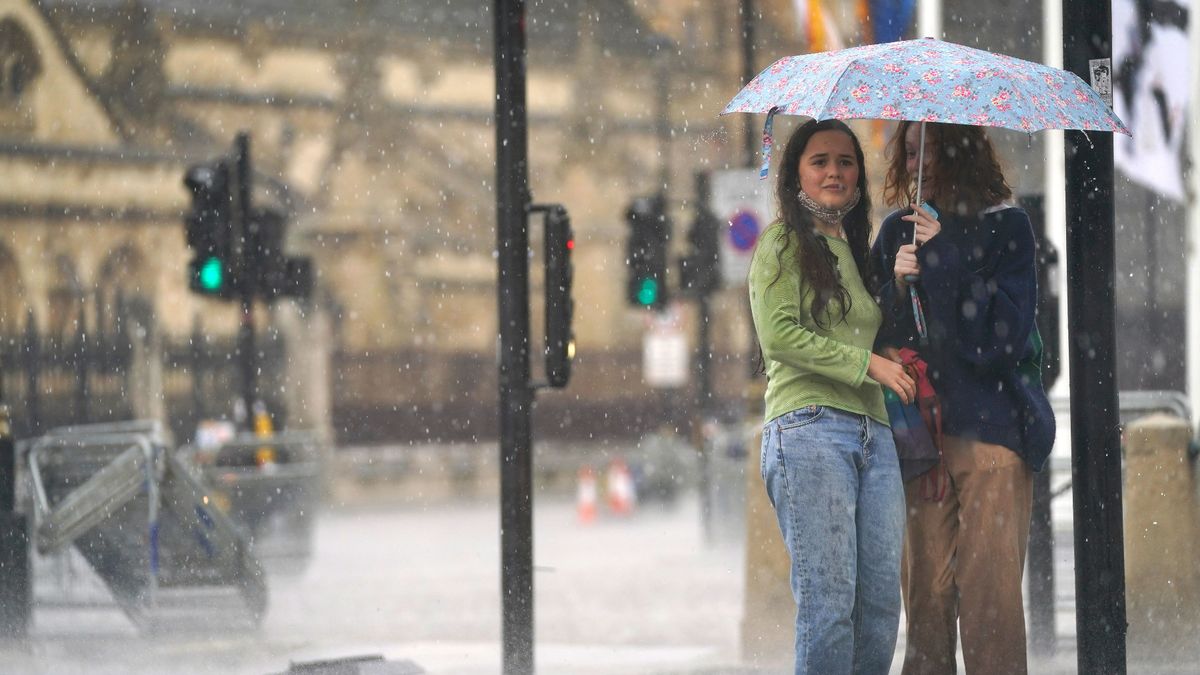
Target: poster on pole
(746, 206)
(665, 362)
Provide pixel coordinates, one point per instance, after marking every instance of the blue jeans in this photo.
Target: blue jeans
(834, 480)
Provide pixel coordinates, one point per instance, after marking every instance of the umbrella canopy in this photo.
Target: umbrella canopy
(925, 80)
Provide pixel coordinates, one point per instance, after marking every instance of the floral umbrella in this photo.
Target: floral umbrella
(924, 80)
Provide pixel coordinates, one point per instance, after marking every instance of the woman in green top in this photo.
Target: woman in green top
(828, 459)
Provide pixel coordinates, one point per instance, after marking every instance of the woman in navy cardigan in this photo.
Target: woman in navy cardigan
(972, 264)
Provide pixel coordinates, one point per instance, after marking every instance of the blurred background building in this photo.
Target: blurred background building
(371, 127)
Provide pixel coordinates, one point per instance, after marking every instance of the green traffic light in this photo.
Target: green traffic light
(212, 275)
(648, 292)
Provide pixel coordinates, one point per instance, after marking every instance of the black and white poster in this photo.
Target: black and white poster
(1151, 80)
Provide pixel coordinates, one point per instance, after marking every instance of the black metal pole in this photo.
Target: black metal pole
(704, 390)
(247, 356)
(197, 354)
(33, 385)
(1096, 450)
(662, 126)
(1043, 634)
(704, 353)
(746, 11)
(1043, 637)
(82, 363)
(16, 600)
(516, 395)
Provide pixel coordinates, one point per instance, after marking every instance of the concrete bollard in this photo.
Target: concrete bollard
(1162, 542)
(769, 613)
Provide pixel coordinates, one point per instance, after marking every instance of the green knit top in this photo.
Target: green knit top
(807, 364)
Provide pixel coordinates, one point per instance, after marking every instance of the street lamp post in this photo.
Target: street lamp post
(1091, 306)
(516, 394)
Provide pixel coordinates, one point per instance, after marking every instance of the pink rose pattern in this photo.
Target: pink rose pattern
(927, 80)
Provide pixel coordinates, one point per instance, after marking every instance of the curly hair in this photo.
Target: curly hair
(967, 176)
(818, 264)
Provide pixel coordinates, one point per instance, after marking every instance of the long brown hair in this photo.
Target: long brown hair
(966, 177)
(817, 262)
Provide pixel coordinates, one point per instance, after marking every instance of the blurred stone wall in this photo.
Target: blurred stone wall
(371, 124)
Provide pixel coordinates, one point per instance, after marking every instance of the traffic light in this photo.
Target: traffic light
(262, 251)
(699, 271)
(238, 258)
(559, 241)
(646, 254)
(209, 230)
(270, 273)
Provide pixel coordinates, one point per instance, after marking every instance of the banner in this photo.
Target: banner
(1151, 81)
(817, 26)
(888, 19)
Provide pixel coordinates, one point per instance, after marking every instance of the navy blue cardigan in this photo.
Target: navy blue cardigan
(979, 290)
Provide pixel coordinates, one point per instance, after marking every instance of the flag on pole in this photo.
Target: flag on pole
(1152, 92)
(885, 20)
(817, 26)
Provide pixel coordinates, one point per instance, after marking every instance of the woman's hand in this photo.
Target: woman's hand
(891, 375)
(925, 223)
(906, 268)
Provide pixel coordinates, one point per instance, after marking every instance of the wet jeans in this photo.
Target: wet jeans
(834, 480)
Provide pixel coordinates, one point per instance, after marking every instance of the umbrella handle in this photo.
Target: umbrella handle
(918, 315)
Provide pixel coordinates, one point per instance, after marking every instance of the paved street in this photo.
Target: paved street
(642, 594)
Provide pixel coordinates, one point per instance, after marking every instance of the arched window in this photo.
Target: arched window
(19, 62)
(123, 281)
(65, 297)
(12, 300)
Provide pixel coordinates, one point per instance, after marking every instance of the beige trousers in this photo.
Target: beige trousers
(963, 561)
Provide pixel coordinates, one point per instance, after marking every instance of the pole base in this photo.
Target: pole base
(16, 597)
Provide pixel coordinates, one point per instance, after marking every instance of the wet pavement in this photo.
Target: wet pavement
(623, 595)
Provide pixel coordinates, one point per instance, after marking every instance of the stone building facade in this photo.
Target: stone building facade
(371, 124)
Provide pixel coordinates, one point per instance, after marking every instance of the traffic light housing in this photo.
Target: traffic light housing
(700, 271)
(227, 264)
(646, 252)
(262, 251)
(270, 273)
(559, 243)
(208, 227)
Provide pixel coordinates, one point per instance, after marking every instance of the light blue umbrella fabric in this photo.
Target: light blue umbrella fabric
(924, 80)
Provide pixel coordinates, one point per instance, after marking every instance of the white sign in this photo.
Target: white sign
(746, 206)
(665, 351)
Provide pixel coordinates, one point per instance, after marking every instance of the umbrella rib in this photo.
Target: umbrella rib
(837, 83)
(890, 47)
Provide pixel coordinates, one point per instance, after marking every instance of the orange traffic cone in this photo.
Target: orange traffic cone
(586, 496)
(621, 496)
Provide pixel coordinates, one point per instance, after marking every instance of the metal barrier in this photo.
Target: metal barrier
(269, 486)
(1134, 404)
(143, 523)
(152, 429)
